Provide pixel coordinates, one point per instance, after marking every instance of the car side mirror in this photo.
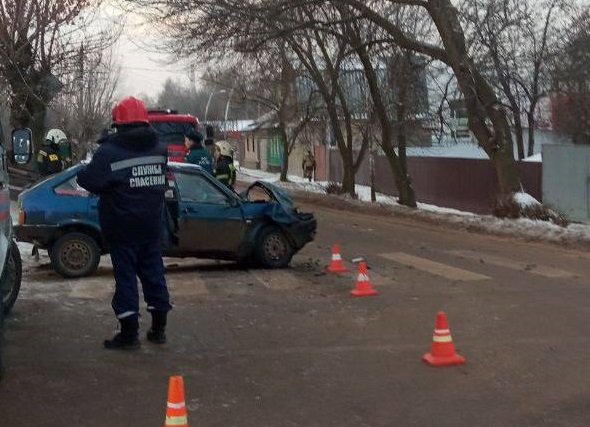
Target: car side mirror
(22, 146)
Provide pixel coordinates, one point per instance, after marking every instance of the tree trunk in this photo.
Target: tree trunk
(532, 123)
(348, 174)
(506, 172)
(407, 196)
(348, 181)
(403, 183)
(39, 113)
(482, 104)
(519, 131)
(348, 184)
(285, 160)
(372, 169)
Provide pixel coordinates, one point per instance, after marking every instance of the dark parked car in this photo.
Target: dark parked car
(204, 220)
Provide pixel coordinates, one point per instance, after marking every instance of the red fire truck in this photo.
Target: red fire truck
(171, 127)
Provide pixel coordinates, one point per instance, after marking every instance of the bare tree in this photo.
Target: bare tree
(83, 107)
(330, 66)
(519, 38)
(229, 23)
(268, 79)
(218, 27)
(38, 41)
(394, 96)
(486, 116)
(572, 81)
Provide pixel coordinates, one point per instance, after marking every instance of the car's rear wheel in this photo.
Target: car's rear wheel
(75, 255)
(273, 250)
(11, 279)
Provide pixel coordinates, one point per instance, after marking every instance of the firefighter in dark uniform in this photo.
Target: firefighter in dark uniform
(197, 154)
(128, 172)
(48, 158)
(225, 171)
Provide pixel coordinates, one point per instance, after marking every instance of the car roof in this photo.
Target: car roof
(184, 166)
(177, 166)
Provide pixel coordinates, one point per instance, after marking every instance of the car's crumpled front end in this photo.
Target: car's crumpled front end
(299, 226)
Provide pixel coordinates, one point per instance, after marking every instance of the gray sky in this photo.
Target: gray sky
(143, 71)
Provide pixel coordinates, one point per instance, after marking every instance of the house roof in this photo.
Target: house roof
(266, 121)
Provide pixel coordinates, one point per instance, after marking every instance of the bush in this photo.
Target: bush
(336, 188)
(505, 206)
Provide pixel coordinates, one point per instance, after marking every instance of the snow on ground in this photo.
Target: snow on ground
(525, 200)
(537, 158)
(526, 228)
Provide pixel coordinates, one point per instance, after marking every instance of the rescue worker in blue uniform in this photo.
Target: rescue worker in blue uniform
(225, 171)
(128, 173)
(197, 154)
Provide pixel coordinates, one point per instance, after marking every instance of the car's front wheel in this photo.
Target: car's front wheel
(11, 279)
(273, 250)
(75, 255)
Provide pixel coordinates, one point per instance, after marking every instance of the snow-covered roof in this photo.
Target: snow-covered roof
(460, 150)
(235, 125)
(266, 121)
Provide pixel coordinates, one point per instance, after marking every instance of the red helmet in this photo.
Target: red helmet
(130, 111)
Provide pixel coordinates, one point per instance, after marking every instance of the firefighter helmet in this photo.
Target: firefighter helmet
(225, 148)
(56, 136)
(130, 111)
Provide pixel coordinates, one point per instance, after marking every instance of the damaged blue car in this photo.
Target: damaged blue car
(204, 219)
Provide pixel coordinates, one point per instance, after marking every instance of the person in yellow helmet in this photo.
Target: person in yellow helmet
(48, 158)
(224, 171)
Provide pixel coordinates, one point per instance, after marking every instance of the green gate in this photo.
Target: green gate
(274, 152)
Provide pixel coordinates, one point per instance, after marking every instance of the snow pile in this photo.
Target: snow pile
(523, 205)
(521, 227)
(525, 200)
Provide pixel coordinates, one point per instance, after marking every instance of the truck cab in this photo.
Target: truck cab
(171, 128)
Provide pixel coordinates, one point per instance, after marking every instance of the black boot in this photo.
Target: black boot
(127, 339)
(157, 334)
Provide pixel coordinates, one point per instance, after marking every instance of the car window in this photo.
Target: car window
(196, 188)
(71, 188)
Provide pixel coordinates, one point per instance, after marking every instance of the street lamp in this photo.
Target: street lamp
(209, 102)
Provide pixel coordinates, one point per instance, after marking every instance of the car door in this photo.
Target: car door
(210, 220)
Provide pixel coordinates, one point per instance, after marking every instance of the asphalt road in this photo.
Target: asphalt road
(292, 348)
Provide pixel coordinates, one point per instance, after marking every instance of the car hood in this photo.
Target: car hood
(281, 208)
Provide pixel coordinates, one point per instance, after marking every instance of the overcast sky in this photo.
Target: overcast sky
(143, 71)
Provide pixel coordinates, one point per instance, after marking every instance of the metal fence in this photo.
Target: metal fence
(466, 184)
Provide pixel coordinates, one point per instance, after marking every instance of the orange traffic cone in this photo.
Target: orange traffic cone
(364, 288)
(443, 350)
(176, 407)
(336, 266)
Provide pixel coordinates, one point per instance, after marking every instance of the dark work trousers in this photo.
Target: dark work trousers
(143, 260)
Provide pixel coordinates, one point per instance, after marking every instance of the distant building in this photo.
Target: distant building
(458, 121)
